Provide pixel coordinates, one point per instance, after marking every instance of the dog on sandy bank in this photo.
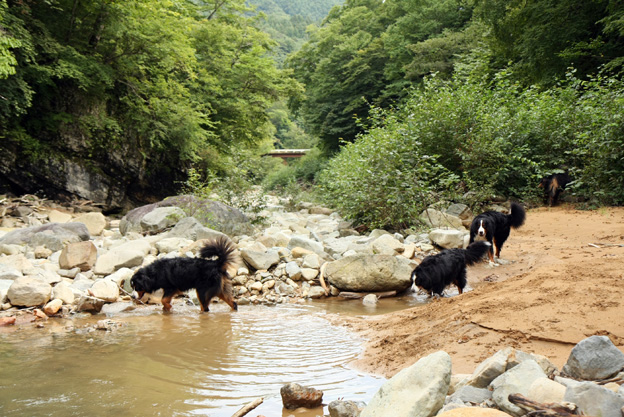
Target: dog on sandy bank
(494, 227)
(553, 186)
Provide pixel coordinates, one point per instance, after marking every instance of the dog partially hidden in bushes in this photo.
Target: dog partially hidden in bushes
(553, 185)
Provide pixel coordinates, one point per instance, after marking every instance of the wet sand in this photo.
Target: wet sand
(557, 290)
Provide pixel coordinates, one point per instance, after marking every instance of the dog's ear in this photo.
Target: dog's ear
(138, 281)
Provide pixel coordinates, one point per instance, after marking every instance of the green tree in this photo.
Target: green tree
(542, 38)
(371, 52)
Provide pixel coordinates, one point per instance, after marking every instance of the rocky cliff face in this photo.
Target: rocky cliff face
(118, 178)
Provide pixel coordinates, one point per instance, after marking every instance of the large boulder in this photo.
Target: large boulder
(417, 391)
(29, 292)
(447, 238)
(594, 358)
(51, 235)
(96, 222)
(518, 380)
(595, 400)
(190, 228)
(213, 214)
(261, 260)
(78, 255)
(436, 218)
(370, 273)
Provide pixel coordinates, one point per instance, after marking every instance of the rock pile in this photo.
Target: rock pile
(84, 260)
(511, 381)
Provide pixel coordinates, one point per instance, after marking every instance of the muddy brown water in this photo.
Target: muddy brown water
(185, 363)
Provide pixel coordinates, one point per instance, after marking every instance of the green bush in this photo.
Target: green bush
(384, 179)
(495, 137)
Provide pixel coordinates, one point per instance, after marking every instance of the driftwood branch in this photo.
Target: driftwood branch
(356, 295)
(248, 407)
(544, 409)
(605, 245)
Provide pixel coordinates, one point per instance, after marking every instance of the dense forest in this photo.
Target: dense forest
(287, 21)
(411, 102)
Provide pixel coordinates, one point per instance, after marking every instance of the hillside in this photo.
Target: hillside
(287, 20)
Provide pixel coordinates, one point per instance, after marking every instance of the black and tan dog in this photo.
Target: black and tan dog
(436, 272)
(553, 185)
(495, 227)
(206, 274)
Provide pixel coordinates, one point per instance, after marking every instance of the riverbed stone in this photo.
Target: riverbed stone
(10, 249)
(593, 358)
(387, 245)
(63, 292)
(293, 271)
(447, 238)
(308, 244)
(545, 390)
(116, 259)
(311, 261)
(52, 307)
(309, 274)
(594, 400)
(172, 244)
(416, 391)
(51, 235)
(316, 292)
(370, 300)
(29, 292)
(345, 408)
(7, 272)
(370, 273)
(295, 396)
(105, 289)
(518, 380)
(56, 216)
(96, 222)
(437, 219)
(260, 260)
(79, 254)
(161, 218)
(117, 308)
(470, 394)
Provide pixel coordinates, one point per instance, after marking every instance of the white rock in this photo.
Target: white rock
(105, 289)
(29, 292)
(95, 222)
(53, 307)
(116, 259)
(63, 292)
(417, 391)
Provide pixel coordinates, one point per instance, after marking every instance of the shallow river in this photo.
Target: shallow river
(185, 363)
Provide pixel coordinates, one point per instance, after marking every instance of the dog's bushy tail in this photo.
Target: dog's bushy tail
(517, 216)
(475, 251)
(223, 249)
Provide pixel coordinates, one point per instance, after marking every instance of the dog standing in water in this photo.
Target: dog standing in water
(206, 274)
(436, 272)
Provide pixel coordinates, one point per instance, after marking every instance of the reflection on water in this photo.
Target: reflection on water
(184, 363)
